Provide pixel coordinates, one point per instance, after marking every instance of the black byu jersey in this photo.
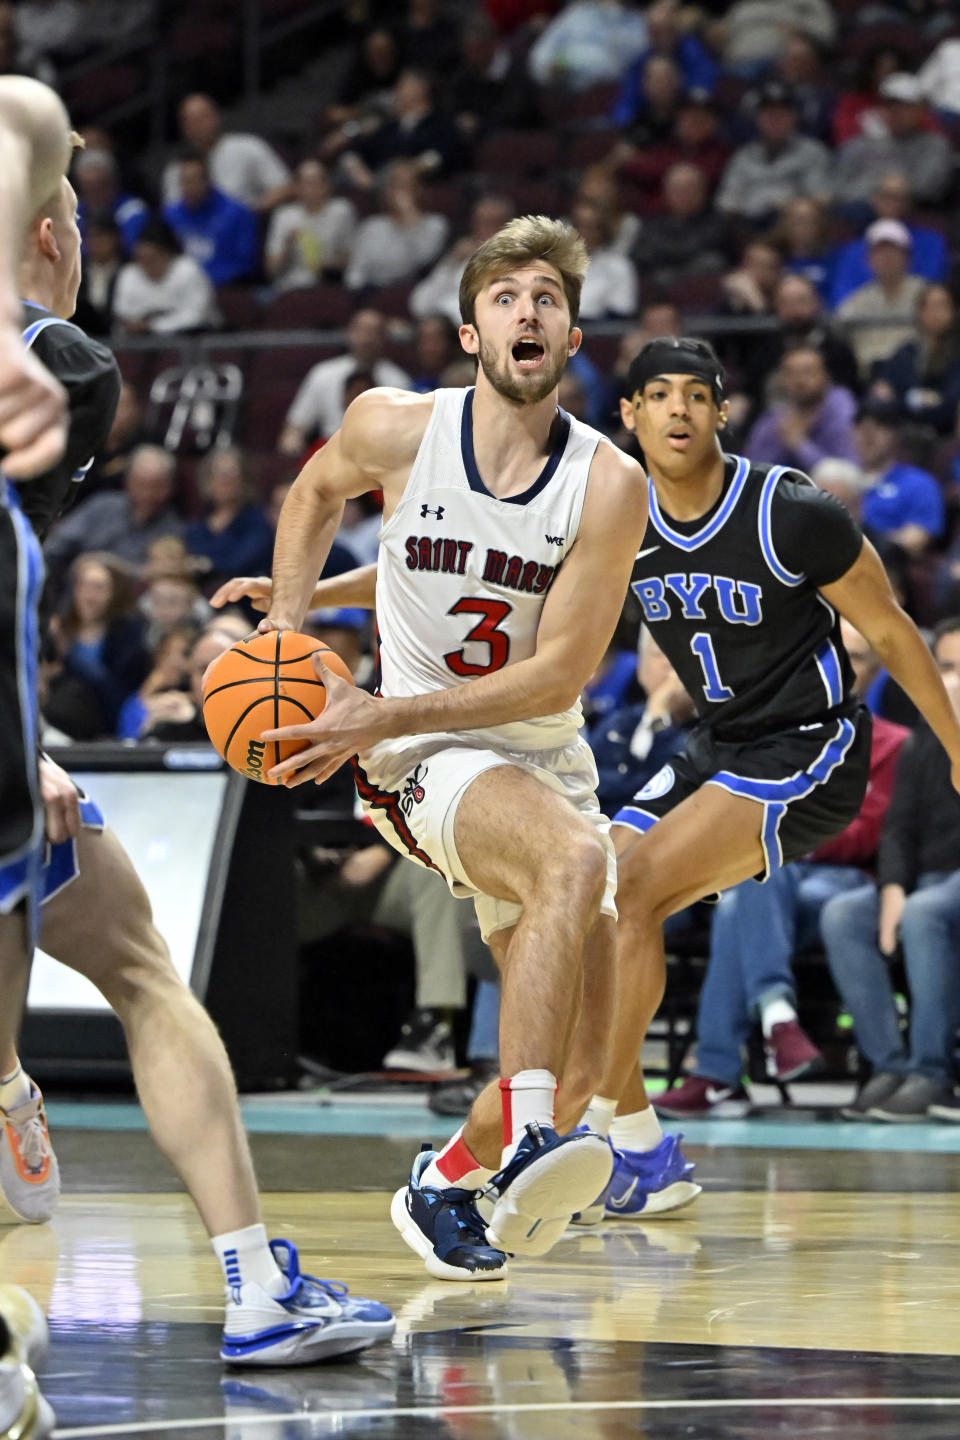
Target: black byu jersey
(89, 373)
(732, 600)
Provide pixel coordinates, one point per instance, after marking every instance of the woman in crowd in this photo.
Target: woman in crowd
(234, 535)
(923, 376)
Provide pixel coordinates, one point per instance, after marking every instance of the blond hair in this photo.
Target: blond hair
(521, 242)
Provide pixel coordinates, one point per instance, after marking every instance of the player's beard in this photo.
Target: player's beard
(539, 383)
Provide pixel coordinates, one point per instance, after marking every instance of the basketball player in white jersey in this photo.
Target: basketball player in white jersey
(508, 538)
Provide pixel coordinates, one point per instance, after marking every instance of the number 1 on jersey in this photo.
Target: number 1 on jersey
(493, 612)
(713, 687)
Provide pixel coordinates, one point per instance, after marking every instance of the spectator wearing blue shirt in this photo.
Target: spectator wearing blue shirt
(902, 502)
(97, 183)
(234, 535)
(216, 231)
(697, 67)
(891, 200)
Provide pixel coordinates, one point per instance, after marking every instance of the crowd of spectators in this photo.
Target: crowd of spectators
(782, 177)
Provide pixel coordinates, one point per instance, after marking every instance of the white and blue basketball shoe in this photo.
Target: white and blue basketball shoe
(549, 1178)
(644, 1183)
(445, 1229)
(314, 1319)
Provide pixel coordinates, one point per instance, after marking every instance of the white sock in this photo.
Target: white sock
(639, 1131)
(245, 1256)
(455, 1166)
(14, 1088)
(527, 1096)
(599, 1115)
(776, 1012)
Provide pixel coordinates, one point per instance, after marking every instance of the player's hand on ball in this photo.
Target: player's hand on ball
(258, 589)
(61, 803)
(351, 720)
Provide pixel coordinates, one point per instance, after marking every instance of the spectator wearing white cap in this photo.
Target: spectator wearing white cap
(882, 315)
(912, 146)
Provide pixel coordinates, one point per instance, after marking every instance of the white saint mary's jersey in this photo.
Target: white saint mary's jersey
(463, 575)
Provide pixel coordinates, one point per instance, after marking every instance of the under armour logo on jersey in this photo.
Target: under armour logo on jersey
(425, 511)
(553, 539)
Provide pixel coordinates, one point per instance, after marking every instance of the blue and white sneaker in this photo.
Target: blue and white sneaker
(644, 1183)
(549, 1178)
(314, 1320)
(445, 1230)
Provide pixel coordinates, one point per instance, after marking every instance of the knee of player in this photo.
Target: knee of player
(578, 869)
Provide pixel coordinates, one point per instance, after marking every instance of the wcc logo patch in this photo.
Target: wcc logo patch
(413, 792)
(661, 783)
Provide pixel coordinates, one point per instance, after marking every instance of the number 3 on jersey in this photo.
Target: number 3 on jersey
(713, 687)
(494, 612)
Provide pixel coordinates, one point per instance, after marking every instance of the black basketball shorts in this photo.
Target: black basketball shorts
(21, 816)
(810, 781)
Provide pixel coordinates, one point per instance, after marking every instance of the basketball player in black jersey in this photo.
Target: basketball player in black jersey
(95, 917)
(742, 576)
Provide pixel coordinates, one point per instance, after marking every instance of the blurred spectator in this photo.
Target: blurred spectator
(439, 291)
(901, 501)
(126, 433)
(51, 27)
(591, 42)
(162, 695)
(98, 641)
(486, 87)
(915, 904)
(310, 237)
(510, 15)
(632, 742)
(939, 75)
(814, 419)
(96, 180)
(886, 305)
(419, 133)
(366, 95)
(908, 146)
(234, 534)
(599, 184)
(124, 523)
(318, 405)
(185, 725)
(923, 376)
(171, 599)
(801, 232)
(751, 287)
(757, 930)
(801, 321)
(219, 233)
(241, 166)
(754, 31)
(101, 269)
(17, 56)
(800, 66)
(859, 111)
(436, 346)
(426, 37)
(891, 200)
(162, 291)
(688, 237)
(610, 286)
(347, 632)
(659, 90)
(765, 173)
(696, 138)
(666, 36)
(400, 242)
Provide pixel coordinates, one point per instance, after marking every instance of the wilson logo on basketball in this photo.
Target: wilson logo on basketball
(254, 762)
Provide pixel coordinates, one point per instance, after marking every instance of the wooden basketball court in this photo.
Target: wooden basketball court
(812, 1291)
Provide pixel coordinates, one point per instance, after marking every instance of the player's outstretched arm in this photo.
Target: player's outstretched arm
(353, 587)
(579, 617)
(864, 597)
(373, 450)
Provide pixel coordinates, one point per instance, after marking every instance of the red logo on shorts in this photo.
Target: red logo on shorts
(413, 791)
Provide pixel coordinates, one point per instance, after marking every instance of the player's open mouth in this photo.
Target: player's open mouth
(528, 354)
(678, 438)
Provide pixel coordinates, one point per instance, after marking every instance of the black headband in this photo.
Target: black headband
(674, 357)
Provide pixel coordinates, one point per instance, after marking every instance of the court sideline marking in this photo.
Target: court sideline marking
(844, 1402)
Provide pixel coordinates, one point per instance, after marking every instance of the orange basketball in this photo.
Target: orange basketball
(260, 684)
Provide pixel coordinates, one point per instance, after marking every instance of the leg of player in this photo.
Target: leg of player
(519, 841)
(274, 1316)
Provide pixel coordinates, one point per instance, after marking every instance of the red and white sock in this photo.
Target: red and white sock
(529, 1095)
(455, 1166)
